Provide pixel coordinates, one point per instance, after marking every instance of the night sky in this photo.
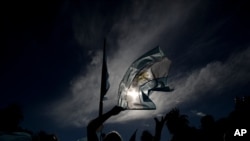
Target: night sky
(50, 59)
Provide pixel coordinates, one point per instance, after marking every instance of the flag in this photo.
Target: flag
(104, 82)
(104, 79)
(146, 74)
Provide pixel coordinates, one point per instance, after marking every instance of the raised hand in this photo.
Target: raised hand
(159, 123)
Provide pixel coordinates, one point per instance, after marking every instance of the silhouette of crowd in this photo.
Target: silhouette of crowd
(10, 130)
(224, 129)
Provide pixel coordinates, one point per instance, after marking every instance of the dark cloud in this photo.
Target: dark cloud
(51, 53)
(195, 41)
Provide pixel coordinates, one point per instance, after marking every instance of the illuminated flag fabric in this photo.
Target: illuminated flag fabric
(146, 74)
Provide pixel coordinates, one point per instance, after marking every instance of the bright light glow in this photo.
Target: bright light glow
(132, 96)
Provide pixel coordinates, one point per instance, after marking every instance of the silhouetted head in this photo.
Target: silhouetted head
(176, 122)
(146, 136)
(113, 136)
(10, 117)
(43, 136)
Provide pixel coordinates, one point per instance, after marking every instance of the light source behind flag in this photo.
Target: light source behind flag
(146, 74)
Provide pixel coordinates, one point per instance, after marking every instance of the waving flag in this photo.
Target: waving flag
(105, 75)
(146, 74)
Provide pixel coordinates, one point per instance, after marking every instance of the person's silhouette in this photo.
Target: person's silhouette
(10, 117)
(146, 136)
(178, 126)
(96, 123)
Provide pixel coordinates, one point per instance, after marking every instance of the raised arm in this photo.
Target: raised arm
(158, 128)
(96, 123)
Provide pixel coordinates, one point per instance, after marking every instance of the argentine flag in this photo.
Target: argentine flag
(146, 74)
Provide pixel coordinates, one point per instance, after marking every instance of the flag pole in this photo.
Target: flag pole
(103, 80)
(103, 89)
